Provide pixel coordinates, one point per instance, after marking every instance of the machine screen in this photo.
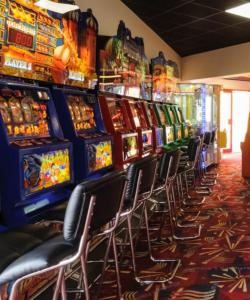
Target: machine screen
(116, 113)
(169, 135)
(159, 137)
(138, 115)
(23, 114)
(147, 140)
(82, 114)
(179, 134)
(130, 147)
(45, 170)
(99, 155)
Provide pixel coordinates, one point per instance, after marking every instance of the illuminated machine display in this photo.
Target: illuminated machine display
(117, 122)
(140, 123)
(58, 50)
(182, 122)
(45, 46)
(82, 123)
(164, 122)
(158, 134)
(170, 109)
(198, 103)
(199, 106)
(79, 113)
(36, 161)
(124, 71)
(165, 78)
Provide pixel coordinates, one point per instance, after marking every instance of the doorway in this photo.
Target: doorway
(226, 121)
(234, 113)
(241, 108)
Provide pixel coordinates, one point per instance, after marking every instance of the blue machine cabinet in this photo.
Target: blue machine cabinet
(82, 123)
(36, 162)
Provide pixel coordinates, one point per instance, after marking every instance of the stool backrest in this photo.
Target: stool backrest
(108, 192)
(176, 155)
(213, 136)
(194, 149)
(164, 165)
(147, 167)
(207, 137)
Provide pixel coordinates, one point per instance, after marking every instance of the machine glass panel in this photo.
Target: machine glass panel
(147, 139)
(82, 114)
(24, 113)
(130, 147)
(138, 115)
(45, 170)
(172, 116)
(180, 116)
(99, 155)
(115, 110)
(162, 116)
(159, 136)
(149, 114)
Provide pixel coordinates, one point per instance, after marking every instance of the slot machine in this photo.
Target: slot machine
(81, 121)
(166, 125)
(158, 136)
(117, 123)
(182, 122)
(139, 123)
(169, 108)
(77, 104)
(36, 161)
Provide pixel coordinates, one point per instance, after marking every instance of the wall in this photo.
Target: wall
(225, 83)
(110, 12)
(223, 62)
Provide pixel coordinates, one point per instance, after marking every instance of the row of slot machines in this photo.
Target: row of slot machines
(54, 137)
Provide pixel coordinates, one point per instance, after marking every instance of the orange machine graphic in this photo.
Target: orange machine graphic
(41, 46)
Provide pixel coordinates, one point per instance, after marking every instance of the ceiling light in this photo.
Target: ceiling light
(241, 10)
(60, 8)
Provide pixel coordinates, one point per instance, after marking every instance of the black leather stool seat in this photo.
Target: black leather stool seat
(40, 247)
(17, 242)
(48, 253)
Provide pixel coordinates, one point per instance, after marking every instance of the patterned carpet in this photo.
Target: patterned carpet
(214, 266)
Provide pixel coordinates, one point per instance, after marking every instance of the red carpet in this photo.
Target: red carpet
(215, 266)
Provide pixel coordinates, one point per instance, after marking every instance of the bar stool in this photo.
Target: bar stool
(207, 180)
(176, 226)
(141, 181)
(188, 167)
(91, 205)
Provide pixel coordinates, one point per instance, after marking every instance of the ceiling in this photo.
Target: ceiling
(193, 26)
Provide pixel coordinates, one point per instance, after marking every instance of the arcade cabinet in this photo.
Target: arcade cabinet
(158, 135)
(117, 122)
(139, 123)
(78, 106)
(35, 160)
(185, 129)
(181, 121)
(169, 108)
(165, 124)
(81, 121)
